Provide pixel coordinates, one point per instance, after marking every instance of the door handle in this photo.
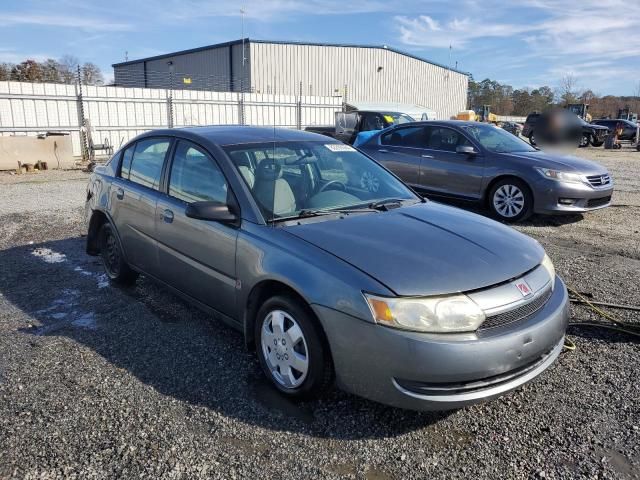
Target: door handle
(167, 216)
(426, 156)
(119, 193)
(383, 150)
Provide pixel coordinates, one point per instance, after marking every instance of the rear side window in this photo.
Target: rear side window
(195, 177)
(146, 165)
(446, 139)
(127, 156)
(404, 137)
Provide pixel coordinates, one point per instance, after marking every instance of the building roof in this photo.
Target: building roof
(249, 40)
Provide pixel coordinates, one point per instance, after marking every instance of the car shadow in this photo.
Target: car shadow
(173, 347)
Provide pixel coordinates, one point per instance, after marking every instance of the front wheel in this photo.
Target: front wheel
(291, 349)
(510, 200)
(532, 139)
(585, 140)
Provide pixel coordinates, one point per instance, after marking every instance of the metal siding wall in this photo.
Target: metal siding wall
(119, 114)
(129, 75)
(280, 67)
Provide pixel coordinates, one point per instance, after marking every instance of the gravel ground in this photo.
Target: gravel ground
(102, 382)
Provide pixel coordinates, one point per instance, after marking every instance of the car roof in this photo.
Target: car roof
(451, 123)
(240, 134)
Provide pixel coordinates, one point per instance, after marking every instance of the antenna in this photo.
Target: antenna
(126, 55)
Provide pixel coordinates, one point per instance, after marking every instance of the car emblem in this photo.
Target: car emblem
(603, 179)
(523, 287)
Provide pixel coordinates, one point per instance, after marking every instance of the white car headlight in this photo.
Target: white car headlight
(551, 270)
(450, 313)
(560, 175)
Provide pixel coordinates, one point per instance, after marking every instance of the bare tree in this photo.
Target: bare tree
(568, 89)
(91, 74)
(51, 71)
(68, 68)
(5, 71)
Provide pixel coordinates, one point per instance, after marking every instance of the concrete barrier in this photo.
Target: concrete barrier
(56, 150)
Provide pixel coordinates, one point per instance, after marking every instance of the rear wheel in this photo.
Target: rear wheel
(113, 261)
(291, 349)
(510, 200)
(532, 139)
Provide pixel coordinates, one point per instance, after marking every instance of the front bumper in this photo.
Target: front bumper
(550, 197)
(420, 371)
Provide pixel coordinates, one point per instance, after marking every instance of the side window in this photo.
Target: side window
(446, 139)
(127, 156)
(148, 158)
(404, 137)
(372, 121)
(195, 177)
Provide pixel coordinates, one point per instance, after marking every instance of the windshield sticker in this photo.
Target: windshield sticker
(389, 118)
(339, 147)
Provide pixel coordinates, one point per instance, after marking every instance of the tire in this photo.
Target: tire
(296, 361)
(597, 144)
(112, 257)
(585, 140)
(511, 200)
(532, 139)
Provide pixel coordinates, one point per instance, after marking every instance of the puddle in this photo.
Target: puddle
(63, 312)
(275, 402)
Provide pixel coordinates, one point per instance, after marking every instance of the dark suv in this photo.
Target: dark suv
(538, 125)
(629, 128)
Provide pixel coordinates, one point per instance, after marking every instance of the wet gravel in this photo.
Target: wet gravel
(103, 382)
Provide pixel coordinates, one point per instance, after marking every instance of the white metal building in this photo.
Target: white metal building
(363, 73)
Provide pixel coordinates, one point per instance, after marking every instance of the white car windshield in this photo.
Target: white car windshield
(497, 140)
(291, 179)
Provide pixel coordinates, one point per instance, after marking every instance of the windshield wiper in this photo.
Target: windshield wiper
(386, 204)
(307, 213)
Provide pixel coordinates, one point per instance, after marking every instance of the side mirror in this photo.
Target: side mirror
(212, 211)
(466, 149)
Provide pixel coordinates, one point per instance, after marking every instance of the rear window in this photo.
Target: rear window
(404, 137)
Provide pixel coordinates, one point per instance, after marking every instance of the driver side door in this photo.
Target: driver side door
(196, 256)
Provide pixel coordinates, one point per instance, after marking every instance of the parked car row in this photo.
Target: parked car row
(334, 269)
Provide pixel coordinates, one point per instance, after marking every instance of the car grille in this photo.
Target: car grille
(599, 180)
(519, 313)
(598, 202)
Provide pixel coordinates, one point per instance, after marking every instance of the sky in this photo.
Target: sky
(528, 43)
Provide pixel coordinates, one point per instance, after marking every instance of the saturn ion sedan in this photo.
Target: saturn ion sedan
(329, 265)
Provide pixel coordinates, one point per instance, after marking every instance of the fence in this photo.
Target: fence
(117, 114)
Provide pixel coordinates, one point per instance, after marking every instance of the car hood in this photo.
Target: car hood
(425, 249)
(567, 163)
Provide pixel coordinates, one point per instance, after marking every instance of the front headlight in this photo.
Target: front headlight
(551, 270)
(451, 313)
(560, 175)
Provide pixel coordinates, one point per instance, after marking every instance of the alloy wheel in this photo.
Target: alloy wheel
(285, 349)
(508, 201)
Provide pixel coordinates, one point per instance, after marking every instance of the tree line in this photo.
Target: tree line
(505, 100)
(63, 70)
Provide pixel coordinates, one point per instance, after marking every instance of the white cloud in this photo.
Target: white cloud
(595, 39)
(68, 21)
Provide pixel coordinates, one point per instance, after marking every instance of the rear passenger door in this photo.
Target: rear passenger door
(133, 198)
(445, 171)
(400, 150)
(196, 256)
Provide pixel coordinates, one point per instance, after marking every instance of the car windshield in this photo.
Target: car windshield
(396, 118)
(297, 179)
(497, 140)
